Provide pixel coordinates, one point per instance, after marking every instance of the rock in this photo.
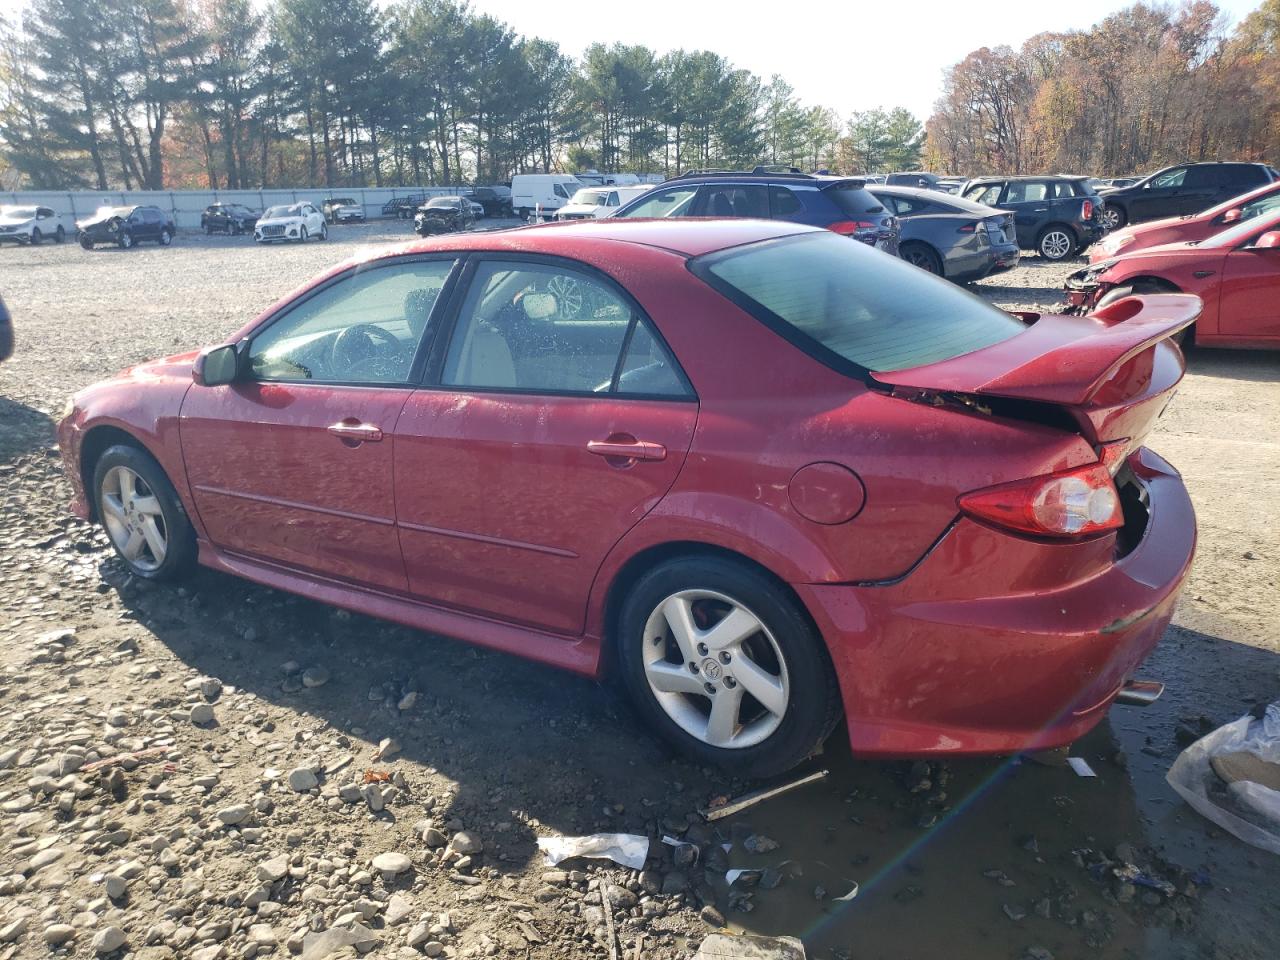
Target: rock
(759, 843)
(419, 935)
(434, 837)
(464, 842)
(233, 815)
(202, 714)
(59, 933)
(302, 779)
(712, 916)
(1014, 912)
(373, 796)
(210, 688)
(12, 931)
(115, 885)
(315, 676)
(720, 946)
(269, 871)
(433, 948)
(408, 700)
(391, 863)
(349, 793)
(388, 747)
(1037, 953)
(398, 910)
(621, 897)
(675, 882)
(108, 940)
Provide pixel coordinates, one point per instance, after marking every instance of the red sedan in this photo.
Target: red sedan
(1193, 227)
(1235, 272)
(769, 476)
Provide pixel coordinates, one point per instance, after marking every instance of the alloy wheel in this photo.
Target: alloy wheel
(568, 294)
(126, 240)
(1110, 217)
(715, 669)
(1055, 245)
(134, 520)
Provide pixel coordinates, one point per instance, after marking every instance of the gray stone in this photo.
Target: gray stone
(392, 862)
(108, 940)
(302, 779)
(720, 946)
(315, 676)
(465, 842)
(210, 687)
(398, 910)
(12, 931)
(202, 714)
(116, 885)
(419, 935)
(372, 794)
(59, 933)
(433, 948)
(234, 814)
(434, 837)
(274, 869)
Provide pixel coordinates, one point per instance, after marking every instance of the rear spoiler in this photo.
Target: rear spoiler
(1060, 358)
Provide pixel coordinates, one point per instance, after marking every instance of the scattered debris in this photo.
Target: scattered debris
(728, 808)
(1081, 766)
(626, 849)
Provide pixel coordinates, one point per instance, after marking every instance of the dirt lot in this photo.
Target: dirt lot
(244, 835)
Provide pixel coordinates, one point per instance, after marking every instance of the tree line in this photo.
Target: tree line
(219, 94)
(1148, 86)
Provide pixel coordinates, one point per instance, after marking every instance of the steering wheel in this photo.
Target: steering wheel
(364, 341)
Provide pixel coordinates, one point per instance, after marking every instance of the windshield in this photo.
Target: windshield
(18, 213)
(592, 198)
(1242, 231)
(443, 202)
(282, 211)
(841, 301)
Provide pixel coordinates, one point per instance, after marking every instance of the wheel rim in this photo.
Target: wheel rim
(919, 258)
(568, 294)
(1055, 245)
(1110, 218)
(126, 240)
(715, 669)
(166, 238)
(134, 520)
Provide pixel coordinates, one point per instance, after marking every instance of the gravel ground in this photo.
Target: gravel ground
(286, 770)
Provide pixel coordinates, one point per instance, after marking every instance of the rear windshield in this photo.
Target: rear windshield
(848, 304)
(854, 201)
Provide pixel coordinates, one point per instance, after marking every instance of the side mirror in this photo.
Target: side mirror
(1232, 215)
(215, 366)
(1268, 241)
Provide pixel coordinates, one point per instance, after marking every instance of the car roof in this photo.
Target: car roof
(686, 236)
(730, 176)
(957, 204)
(1029, 176)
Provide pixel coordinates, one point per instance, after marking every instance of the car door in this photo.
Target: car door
(1249, 304)
(1028, 201)
(1158, 197)
(557, 419)
(1200, 189)
(292, 463)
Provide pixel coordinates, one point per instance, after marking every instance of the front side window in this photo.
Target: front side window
(846, 304)
(676, 202)
(988, 194)
(560, 190)
(552, 329)
(365, 328)
(1023, 191)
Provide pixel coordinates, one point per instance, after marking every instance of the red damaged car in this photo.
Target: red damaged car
(1192, 227)
(1236, 273)
(769, 477)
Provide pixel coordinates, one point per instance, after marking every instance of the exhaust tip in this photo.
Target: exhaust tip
(1140, 693)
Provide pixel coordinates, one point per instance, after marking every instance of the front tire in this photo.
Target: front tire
(142, 515)
(85, 242)
(1113, 217)
(1055, 243)
(166, 237)
(36, 236)
(126, 240)
(725, 665)
(324, 231)
(302, 235)
(60, 236)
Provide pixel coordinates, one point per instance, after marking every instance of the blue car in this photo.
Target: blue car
(950, 236)
(840, 204)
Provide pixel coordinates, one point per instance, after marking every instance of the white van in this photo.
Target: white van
(598, 202)
(550, 191)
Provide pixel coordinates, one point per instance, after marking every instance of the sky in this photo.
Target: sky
(847, 56)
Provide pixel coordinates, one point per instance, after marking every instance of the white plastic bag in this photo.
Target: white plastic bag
(1248, 810)
(624, 848)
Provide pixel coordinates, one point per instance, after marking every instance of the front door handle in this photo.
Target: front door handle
(624, 447)
(352, 432)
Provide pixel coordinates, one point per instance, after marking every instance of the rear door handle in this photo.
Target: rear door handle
(352, 431)
(627, 449)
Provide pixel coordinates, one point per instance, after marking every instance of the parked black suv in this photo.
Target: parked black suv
(126, 226)
(841, 204)
(1055, 216)
(1180, 190)
(495, 200)
(228, 217)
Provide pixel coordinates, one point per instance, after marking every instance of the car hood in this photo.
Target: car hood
(173, 366)
(589, 208)
(97, 220)
(1180, 248)
(15, 221)
(438, 211)
(278, 221)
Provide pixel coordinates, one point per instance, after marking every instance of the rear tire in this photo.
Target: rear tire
(676, 681)
(920, 255)
(523, 213)
(85, 242)
(302, 236)
(1056, 243)
(36, 237)
(324, 231)
(141, 512)
(60, 236)
(166, 237)
(126, 240)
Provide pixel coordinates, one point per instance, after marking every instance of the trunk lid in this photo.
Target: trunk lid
(1113, 371)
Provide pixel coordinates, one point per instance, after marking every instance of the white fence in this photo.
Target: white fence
(185, 206)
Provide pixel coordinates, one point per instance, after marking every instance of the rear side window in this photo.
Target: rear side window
(783, 203)
(1028, 191)
(734, 200)
(1245, 175)
(854, 201)
(852, 308)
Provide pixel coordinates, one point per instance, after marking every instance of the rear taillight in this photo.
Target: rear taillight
(1086, 210)
(1079, 502)
(848, 228)
(968, 228)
